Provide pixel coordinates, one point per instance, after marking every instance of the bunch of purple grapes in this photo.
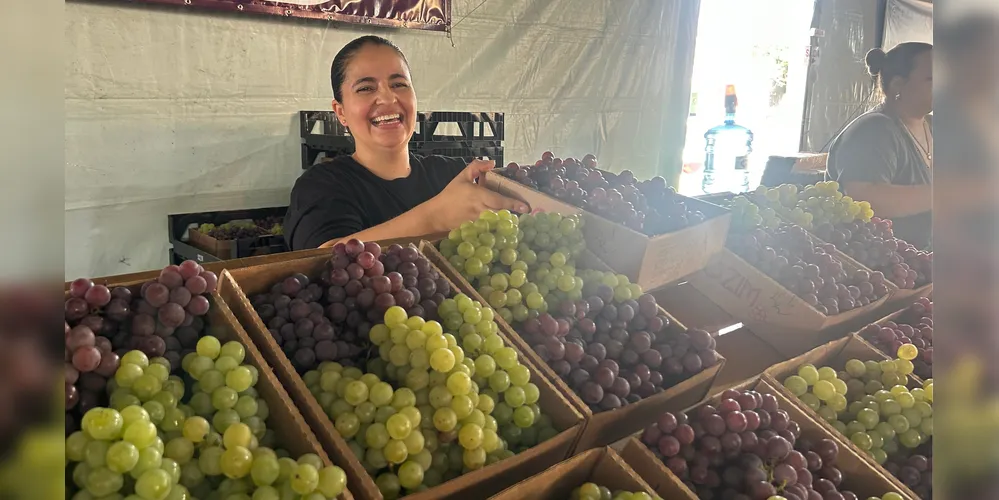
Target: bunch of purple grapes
(330, 320)
(873, 244)
(611, 354)
(746, 448)
(914, 470)
(915, 326)
(809, 270)
(648, 206)
(163, 319)
(237, 231)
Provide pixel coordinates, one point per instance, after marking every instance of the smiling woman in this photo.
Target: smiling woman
(382, 190)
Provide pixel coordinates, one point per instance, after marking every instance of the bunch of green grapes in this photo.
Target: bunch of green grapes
(519, 265)
(593, 491)
(224, 389)
(382, 425)
(815, 205)
(870, 403)
(747, 215)
(158, 449)
(464, 400)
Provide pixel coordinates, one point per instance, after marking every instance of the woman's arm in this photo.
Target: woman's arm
(891, 201)
(462, 200)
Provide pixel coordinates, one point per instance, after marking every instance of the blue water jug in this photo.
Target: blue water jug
(726, 152)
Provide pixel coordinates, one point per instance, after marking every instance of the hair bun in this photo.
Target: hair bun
(875, 61)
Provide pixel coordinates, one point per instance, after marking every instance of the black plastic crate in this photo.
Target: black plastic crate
(181, 249)
(480, 134)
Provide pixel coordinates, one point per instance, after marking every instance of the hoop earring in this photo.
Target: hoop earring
(897, 95)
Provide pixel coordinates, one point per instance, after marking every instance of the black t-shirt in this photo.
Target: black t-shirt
(341, 197)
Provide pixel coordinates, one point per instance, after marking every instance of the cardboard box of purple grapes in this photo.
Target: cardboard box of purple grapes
(835, 355)
(651, 252)
(909, 269)
(289, 425)
(709, 448)
(604, 427)
(237, 286)
(601, 466)
(774, 313)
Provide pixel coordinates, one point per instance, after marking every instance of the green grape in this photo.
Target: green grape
(459, 383)
(121, 457)
(523, 417)
(305, 479)
(376, 436)
(823, 389)
(809, 373)
(389, 486)
(239, 379)
(396, 451)
(797, 385)
(499, 381)
(102, 481)
(180, 450)
(445, 419)
(246, 407)
(141, 434)
(237, 434)
(102, 423)
(474, 459)
(236, 462)
(265, 470)
(332, 481)
(515, 397)
(153, 484)
(224, 398)
(519, 375)
(172, 468)
(208, 347)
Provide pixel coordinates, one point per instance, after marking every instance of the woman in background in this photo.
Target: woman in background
(886, 156)
(382, 190)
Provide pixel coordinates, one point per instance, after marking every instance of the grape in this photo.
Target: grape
(757, 463)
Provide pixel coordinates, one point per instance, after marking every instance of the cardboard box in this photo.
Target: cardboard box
(834, 354)
(236, 286)
(858, 475)
(217, 267)
(289, 425)
(601, 466)
(771, 311)
(900, 314)
(605, 427)
(652, 262)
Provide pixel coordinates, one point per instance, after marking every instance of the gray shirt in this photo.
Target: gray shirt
(876, 148)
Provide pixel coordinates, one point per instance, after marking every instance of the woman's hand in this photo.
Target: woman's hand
(463, 200)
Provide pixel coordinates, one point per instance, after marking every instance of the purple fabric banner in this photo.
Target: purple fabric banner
(432, 15)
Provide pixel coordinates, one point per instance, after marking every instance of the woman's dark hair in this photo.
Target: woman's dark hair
(338, 70)
(898, 61)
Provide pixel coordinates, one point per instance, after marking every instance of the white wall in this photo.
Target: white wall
(173, 111)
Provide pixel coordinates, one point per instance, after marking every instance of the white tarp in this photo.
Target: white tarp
(908, 21)
(174, 112)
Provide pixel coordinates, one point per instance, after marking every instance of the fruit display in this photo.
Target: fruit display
(594, 491)
(600, 333)
(161, 318)
(745, 446)
(852, 227)
(650, 207)
(870, 404)
(912, 328)
(789, 255)
(330, 319)
(204, 434)
(429, 390)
